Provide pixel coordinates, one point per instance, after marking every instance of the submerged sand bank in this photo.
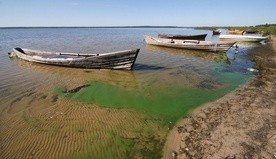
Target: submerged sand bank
(242, 124)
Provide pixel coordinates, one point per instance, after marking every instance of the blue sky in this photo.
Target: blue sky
(136, 12)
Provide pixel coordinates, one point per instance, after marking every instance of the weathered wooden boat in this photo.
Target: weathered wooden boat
(113, 60)
(219, 46)
(216, 32)
(236, 32)
(245, 38)
(183, 37)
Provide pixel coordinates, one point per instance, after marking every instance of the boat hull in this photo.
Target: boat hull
(190, 44)
(242, 38)
(114, 60)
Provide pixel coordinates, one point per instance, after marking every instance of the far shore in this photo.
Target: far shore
(239, 125)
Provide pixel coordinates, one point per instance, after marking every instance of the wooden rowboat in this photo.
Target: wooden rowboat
(183, 37)
(220, 46)
(245, 38)
(113, 60)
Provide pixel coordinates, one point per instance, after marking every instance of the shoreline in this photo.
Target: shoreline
(239, 125)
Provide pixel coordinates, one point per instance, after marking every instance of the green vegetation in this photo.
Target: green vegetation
(266, 29)
(168, 105)
(207, 28)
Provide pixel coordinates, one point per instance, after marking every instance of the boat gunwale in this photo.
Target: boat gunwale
(76, 54)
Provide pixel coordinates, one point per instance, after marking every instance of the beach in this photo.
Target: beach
(239, 125)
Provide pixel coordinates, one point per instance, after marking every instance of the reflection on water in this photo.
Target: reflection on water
(125, 114)
(115, 77)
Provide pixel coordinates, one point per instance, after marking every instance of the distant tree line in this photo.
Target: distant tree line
(265, 29)
(266, 25)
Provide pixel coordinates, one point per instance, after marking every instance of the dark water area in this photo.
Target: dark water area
(131, 105)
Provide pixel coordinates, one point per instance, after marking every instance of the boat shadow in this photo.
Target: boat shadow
(143, 67)
(80, 75)
(121, 78)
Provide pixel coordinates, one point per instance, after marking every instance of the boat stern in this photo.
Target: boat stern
(12, 54)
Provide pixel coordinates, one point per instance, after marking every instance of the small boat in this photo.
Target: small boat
(220, 46)
(251, 32)
(245, 38)
(236, 32)
(112, 60)
(216, 32)
(183, 37)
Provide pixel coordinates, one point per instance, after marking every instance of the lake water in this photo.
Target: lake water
(121, 114)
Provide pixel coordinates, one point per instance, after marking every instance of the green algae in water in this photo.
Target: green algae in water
(169, 103)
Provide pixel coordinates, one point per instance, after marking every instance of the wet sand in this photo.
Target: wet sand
(68, 130)
(37, 123)
(239, 125)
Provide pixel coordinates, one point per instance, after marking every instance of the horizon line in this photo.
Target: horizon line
(138, 26)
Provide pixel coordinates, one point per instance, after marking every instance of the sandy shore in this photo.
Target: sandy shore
(242, 124)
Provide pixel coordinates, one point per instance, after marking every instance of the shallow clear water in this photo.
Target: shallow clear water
(164, 85)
